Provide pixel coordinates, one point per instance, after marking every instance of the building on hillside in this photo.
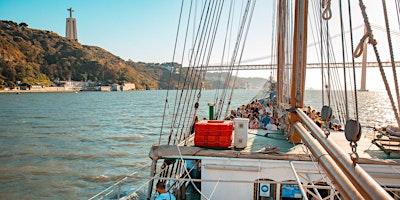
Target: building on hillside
(73, 85)
(114, 87)
(71, 31)
(38, 87)
(128, 86)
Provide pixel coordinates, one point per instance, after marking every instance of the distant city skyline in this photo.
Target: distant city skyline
(145, 30)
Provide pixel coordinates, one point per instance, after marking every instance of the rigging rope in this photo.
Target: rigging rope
(327, 13)
(273, 43)
(170, 75)
(234, 56)
(396, 84)
(186, 35)
(336, 98)
(373, 42)
(344, 60)
(398, 11)
(241, 54)
(352, 59)
(322, 57)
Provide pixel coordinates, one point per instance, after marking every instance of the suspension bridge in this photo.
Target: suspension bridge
(219, 68)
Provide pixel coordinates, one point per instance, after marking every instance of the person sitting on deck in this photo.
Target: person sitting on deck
(335, 124)
(313, 115)
(253, 123)
(319, 121)
(269, 109)
(164, 195)
(264, 119)
(271, 126)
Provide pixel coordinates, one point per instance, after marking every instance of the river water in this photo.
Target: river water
(74, 145)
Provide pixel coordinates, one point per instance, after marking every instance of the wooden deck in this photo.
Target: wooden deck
(261, 145)
(388, 144)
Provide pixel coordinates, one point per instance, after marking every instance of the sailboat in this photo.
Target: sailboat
(222, 158)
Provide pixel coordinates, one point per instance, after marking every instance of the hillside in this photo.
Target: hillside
(41, 57)
(37, 57)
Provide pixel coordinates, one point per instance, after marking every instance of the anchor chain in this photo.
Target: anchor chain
(327, 130)
(354, 155)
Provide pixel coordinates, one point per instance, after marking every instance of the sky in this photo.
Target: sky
(145, 30)
(130, 29)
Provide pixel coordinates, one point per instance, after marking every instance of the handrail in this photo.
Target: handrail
(338, 178)
(367, 186)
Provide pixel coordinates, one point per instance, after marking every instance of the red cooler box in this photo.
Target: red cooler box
(213, 133)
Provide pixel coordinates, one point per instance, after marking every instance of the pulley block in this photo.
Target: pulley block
(326, 113)
(352, 130)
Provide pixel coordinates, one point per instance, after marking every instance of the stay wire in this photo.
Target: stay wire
(241, 55)
(398, 12)
(228, 25)
(199, 78)
(273, 43)
(183, 53)
(178, 101)
(352, 57)
(373, 42)
(170, 75)
(234, 56)
(396, 83)
(193, 83)
(344, 60)
(180, 90)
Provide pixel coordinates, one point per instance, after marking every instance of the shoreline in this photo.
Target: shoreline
(48, 89)
(62, 90)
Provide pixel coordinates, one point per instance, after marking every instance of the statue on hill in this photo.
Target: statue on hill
(71, 31)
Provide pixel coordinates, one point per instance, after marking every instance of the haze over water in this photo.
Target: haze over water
(74, 145)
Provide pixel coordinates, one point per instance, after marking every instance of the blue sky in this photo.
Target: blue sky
(144, 30)
(131, 29)
(141, 30)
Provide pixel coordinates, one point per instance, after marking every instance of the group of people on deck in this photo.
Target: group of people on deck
(260, 116)
(316, 117)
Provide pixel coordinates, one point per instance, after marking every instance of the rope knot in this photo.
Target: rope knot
(372, 41)
(360, 47)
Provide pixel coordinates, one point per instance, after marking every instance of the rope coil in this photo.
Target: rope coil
(360, 47)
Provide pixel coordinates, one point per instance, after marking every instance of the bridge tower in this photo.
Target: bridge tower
(71, 31)
(364, 66)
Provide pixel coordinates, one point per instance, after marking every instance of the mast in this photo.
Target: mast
(299, 65)
(281, 49)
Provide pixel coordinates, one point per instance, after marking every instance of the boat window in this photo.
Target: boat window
(323, 189)
(264, 189)
(290, 191)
